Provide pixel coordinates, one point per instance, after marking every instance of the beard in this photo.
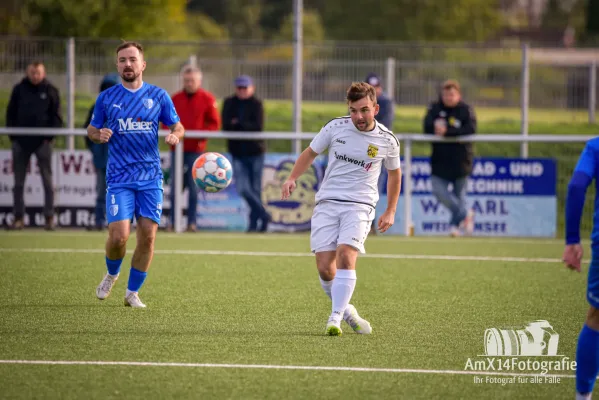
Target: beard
(361, 125)
(130, 77)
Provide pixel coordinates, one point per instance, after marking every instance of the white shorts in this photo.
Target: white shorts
(335, 223)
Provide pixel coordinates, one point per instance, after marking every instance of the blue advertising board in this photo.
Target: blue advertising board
(510, 197)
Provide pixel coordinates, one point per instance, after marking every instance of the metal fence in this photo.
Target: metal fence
(568, 151)
(490, 75)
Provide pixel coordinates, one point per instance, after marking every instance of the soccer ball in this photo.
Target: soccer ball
(212, 172)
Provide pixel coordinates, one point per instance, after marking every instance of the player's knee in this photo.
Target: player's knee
(346, 257)
(146, 242)
(117, 239)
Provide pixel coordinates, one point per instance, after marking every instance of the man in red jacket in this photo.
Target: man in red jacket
(198, 110)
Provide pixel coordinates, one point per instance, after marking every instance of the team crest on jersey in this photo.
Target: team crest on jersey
(148, 103)
(372, 151)
(114, 209)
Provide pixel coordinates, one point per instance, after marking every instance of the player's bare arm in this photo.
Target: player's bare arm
(99, 136)
(393, 188)
(177, 132)
(301, 165)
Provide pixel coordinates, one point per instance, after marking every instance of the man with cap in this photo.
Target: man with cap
(100, 157)
(244, 112)
(386, 108)
(384, 117)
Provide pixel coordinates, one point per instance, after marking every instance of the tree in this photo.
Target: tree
(428, 20)
(140, 19)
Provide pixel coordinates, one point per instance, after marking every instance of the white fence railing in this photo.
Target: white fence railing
(407, 140)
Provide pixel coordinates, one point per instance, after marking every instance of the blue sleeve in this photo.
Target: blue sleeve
(168, 114)
(98, 115)
(577, 188)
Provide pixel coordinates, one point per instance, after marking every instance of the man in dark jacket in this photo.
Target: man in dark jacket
(100, 157)
(386, 112)
(34, 102)
(244, 112)
(452, 162)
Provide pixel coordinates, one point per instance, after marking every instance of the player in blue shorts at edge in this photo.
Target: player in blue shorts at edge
(127, 116)
(587, 352)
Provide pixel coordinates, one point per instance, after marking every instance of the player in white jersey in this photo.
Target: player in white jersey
(345, 203)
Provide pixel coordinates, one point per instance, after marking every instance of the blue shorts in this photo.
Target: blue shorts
(593, 280)
(139, 199)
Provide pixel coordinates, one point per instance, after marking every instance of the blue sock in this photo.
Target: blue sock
(136, 279)
(113, 266)
(587, 360)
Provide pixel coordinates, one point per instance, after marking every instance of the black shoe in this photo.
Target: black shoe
(265, 222)
(17, 225)
(49, 224)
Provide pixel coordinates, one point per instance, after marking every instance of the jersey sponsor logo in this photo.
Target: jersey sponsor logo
(148, 103)
(361, 163)
(340, 141)
(372, 151)
(129, 125)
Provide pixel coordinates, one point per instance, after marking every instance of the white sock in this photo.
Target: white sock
(128, 292)
(342, 290)
(583, 397)
(326, 286)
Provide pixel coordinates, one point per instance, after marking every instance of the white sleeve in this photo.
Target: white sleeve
(322, 140)
(392, 161)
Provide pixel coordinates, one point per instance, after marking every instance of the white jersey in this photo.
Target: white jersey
(355, 161)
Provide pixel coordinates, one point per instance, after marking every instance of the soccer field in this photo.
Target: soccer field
(243, 316)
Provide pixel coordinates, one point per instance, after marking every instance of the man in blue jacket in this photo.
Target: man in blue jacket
(100, 157)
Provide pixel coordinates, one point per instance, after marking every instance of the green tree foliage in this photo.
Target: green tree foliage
(164, 19)
(592, 23)
(311, 22)
(432, 20)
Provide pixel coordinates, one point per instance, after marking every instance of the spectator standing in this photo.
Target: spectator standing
(100, 158)
(452, 163)
(198, 110)
(34, 103)
(244, 112)
(385, 117)
(386, 112)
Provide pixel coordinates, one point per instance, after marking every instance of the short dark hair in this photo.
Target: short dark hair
(35, 64)
(359, 90)
(126, 45)
(451, 84)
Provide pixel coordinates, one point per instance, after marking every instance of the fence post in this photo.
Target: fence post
(70, 91)
(193, 61)
(298, 44)
(592, 91)
(390, 80)
(407, 186)
(177, 187)
(524, 99)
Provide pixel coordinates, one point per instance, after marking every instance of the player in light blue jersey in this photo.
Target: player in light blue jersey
(127, 117)
(587, 352)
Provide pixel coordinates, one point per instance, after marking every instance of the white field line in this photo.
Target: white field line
(279, 367)
(301, 237)
(291, 254)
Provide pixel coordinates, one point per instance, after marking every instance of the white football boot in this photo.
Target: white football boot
(357, 323)
(133, 301)
(333, 327)
(105, 287)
